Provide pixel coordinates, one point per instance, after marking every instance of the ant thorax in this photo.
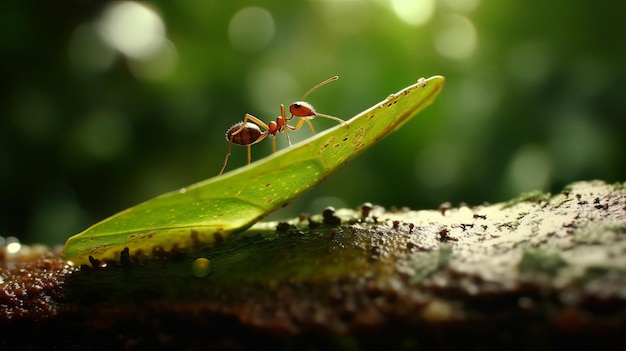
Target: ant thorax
(273, 128)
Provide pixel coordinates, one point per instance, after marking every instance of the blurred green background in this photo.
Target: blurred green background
(107, 104)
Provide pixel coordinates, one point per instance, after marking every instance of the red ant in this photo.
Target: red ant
(247, 132)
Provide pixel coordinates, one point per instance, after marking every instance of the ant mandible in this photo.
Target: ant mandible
(247, 132)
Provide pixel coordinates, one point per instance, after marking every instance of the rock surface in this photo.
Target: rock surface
(540, 271)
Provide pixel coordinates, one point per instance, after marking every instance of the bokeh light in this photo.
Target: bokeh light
(414, 12)
(458, 38)
(347, 17)
(251, 29)
(133, 28)
(529, 169)
(107, 104)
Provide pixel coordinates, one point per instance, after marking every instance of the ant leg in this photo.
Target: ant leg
(263, 136)
(283, 115)
(308, 121)
(255, 120)
(301, 122)
(250, 118)
(226, 159)
(243, 125)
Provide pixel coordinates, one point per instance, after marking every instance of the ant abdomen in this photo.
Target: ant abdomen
(248, 134)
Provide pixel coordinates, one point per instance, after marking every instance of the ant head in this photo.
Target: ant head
(302, 109)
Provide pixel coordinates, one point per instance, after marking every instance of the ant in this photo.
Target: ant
(247, 132)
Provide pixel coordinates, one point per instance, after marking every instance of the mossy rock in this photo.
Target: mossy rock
(540, 271)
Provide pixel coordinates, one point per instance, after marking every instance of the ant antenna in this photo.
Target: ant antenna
(331, 79)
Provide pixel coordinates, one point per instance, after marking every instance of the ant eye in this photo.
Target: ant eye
(297, 105)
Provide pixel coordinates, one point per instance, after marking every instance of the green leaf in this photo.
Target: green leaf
(210, 211)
